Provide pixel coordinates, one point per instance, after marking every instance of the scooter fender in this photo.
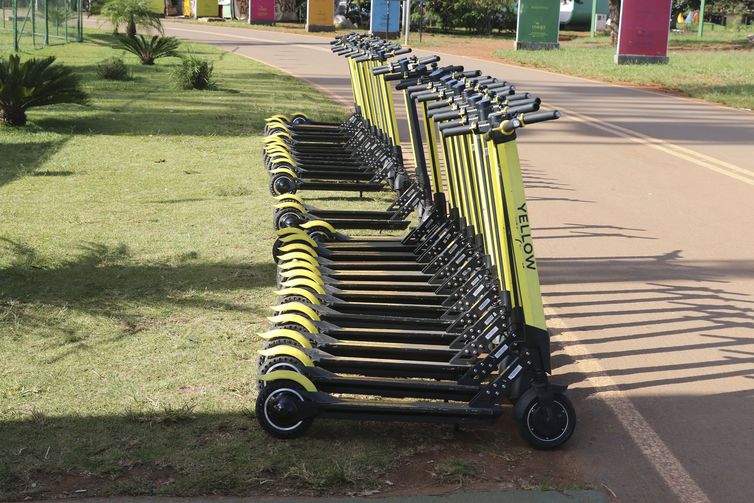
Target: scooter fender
(289, 375)
(301, 292)
(290, 204)
(295, 197)
(303, 273)
(284, 171)
(277, 117)
(297, 246)
(298, 255)
(308, 325)
(280, 333)
(301, 283)
(318, 223)
(285, 266)
(296, 307)
(295, 232)
(530, 394)
(281, 158)
(283, 350)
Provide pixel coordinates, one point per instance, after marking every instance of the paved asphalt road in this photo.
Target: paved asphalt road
(643, 207)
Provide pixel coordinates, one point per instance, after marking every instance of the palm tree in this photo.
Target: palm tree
(35, 83)
(132, 13)
(147, 50)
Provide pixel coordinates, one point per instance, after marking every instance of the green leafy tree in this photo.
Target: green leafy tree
(132, 13)
(35, 83)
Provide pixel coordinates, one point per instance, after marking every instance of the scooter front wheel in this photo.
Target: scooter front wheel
(546, 426)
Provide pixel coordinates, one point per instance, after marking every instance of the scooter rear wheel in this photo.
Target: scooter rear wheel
(279, 410)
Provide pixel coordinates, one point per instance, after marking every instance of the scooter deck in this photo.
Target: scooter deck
(341, 408)
(390, 351)
(439, 337)
(388, 367)
(394, 388)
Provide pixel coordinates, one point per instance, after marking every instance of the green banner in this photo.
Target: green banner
(538, 24)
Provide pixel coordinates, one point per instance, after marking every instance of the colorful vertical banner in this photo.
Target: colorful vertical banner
(643, 31)
(261, 11)
(319, 15)
(538, 25)
(385, 18)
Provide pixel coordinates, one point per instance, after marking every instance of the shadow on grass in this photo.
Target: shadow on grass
(153, 449)
(102, 281)
(27, 157)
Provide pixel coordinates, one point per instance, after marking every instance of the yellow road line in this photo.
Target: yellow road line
(694, 157)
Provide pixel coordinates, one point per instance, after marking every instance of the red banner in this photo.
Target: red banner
(644, 28)
(262, 10)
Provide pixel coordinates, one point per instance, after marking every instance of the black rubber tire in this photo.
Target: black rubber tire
(293, 326)
(266, 365)
(281, 341)
(559, 422)
(285, 299)
(282, 219)
(282, 184)
(270, 409)
(320, 234)
(278, 243)
(281, 362)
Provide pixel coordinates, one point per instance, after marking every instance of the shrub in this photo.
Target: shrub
(194, 73)
(132, 13)
(113, 69)
(35, 83)
(150, 50)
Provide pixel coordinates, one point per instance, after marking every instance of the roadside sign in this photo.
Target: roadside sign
(385, 18)
(643, 31)
(261, 11)
(538, 24)
(319, 15)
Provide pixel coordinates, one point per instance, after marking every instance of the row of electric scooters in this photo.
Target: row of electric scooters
(442, 323)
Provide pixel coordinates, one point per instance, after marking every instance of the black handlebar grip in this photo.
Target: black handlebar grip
(428, 96)
(524, 108)
(394, 76)
(458, 130)
(428, 60)
(533, 118)
(380, 70)
(404, 50)
(519, 97)
(418, 88)
(470, 74)
(406, 84)
(447, 116)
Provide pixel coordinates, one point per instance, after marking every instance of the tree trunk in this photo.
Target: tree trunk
(131, 28)
(614, 21)
(12, 116)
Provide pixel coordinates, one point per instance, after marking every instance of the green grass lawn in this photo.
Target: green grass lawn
(719, 69)
(135, 271)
